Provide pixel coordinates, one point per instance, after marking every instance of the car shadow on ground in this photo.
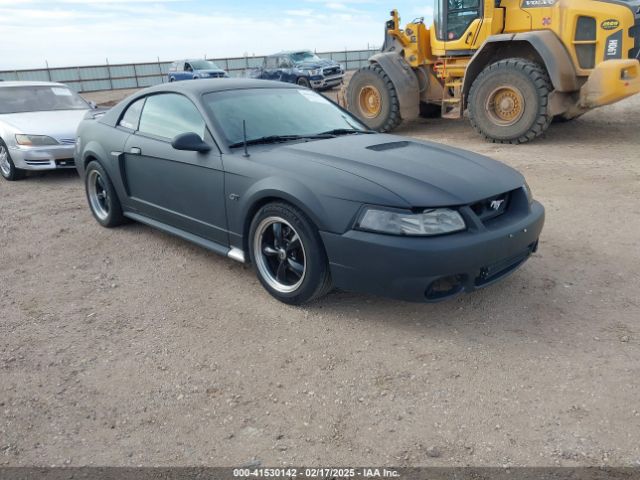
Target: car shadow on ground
(53, 176)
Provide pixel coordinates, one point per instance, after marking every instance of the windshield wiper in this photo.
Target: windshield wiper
(280, 138)
(345, 131)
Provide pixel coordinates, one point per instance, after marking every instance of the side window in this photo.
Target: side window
(272, 62)
(460, 15)
(131, 116)
(187, 67)
(167, 115)
(283, 62)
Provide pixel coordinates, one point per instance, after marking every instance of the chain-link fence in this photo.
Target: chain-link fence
(137, 75)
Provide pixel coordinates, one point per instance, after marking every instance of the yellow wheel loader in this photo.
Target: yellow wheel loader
(513, 65)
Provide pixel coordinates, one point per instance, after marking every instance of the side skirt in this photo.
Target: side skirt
(232, 253)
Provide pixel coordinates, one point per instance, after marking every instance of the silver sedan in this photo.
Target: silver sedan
(38, 122)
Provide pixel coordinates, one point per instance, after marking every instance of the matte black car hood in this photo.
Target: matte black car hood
(424, 174)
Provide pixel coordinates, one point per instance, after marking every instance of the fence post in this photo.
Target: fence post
(135, 73)
(79, 79)
(160, 71)
(109, 73)
(48, 71)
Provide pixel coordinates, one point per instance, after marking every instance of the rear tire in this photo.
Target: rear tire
(7, 167)
(372, 97)
(102, 197)
(288, 255)
(508, 101)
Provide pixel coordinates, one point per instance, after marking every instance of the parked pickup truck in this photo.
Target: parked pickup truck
(194, 69)
(302, 67)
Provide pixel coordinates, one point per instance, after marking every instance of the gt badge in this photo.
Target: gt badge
(546, 22)
(610, 24)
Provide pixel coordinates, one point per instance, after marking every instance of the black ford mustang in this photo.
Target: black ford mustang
(279, 176)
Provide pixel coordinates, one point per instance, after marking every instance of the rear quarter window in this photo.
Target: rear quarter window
(131, 117)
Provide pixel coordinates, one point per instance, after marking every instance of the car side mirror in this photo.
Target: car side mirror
(190, 142)
(93, 104)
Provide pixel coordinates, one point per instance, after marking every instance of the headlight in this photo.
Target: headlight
(528, 193)
(35, 140)
(430, 222)
(317, 71)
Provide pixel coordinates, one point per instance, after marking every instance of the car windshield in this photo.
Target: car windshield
(276, 112)
(204, 65)
(299, 57)
(43, 98)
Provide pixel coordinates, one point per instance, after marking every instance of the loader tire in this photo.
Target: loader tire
(372, 97)
(508, 101)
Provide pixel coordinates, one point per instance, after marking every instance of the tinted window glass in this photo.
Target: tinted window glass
(204, 65)
(304, 57)
(284, 62)
(168, 115)
(131, 117)
(275, 111)
(272, 62)
(461, 14)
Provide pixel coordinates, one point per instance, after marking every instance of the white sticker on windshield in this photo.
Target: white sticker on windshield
(61, 92)
(313, 97)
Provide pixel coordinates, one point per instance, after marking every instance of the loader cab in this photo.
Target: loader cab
(457, 26)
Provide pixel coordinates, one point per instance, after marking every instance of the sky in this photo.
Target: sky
(88, 32)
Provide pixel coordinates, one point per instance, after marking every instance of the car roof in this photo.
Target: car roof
(31, 84)
(290, 52)
(217, 85)
(194, 90)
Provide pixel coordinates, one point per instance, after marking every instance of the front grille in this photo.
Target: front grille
(67, 141)
(216, 75)
(491, 207)
(586, 30)
(331, 71)
(493, 272)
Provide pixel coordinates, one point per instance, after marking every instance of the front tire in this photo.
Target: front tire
(7, 167)
(372, 97)
(304, 82)
(508, 102)
(288, 255)
(102, 197)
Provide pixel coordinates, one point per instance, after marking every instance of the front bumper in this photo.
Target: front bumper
(436, 268)
(610, 82)
(43, 158)
(326, 82)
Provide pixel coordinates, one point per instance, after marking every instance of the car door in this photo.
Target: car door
(189, 73)
(285, 69)
(269, 68)
(182, 189)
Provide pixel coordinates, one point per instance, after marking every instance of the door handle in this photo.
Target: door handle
(469, 35)
(135, 151)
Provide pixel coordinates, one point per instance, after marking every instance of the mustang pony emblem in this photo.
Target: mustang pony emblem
(496, 204)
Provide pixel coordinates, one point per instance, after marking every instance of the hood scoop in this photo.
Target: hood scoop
(383, 147)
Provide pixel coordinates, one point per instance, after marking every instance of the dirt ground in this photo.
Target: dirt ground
(131, 347)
